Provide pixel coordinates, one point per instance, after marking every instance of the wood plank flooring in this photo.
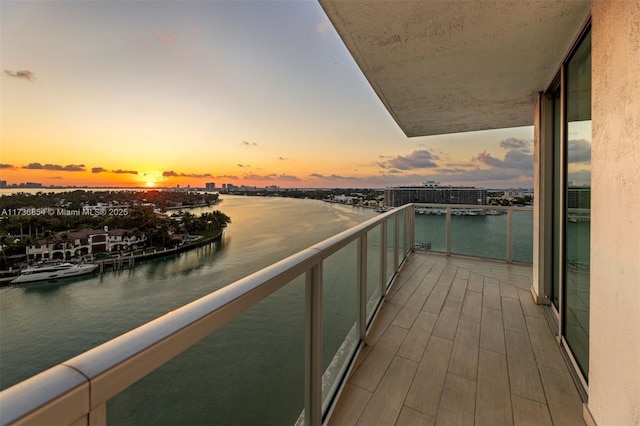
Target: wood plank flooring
(459, 341)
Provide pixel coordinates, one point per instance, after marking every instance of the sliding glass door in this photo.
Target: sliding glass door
(570, 253)
(578, 204)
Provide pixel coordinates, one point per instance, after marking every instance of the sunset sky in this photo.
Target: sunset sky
(166, 93)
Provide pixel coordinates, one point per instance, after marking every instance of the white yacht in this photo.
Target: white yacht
(53, 271)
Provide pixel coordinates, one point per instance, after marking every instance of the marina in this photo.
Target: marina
(458, 212)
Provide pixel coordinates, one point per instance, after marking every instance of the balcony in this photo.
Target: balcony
(459, 341)
(435, 336)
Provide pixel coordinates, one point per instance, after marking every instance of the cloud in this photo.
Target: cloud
(459, 165)
(118, 172)
(486, 158)
(7, 166)
(171, 173)
(331, 177)
(513, 159)
(579, 151)
(245, 143)
(519, 160)
(271, 177)
(67, 168)
(282, 158)
(243, 165)
(518, 144)
(24, 74)
(182, 49)
(168, 39)
(518, 157)
(288, 177)
(453, 170)
(421, 159)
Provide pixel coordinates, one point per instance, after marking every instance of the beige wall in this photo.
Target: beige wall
(614, 368)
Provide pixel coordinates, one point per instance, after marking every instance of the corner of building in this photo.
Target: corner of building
(614, 369)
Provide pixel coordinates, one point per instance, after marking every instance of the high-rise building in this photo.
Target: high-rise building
(579, 197)
(397, 196)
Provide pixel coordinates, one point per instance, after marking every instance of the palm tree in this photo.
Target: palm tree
(4, 244)
(48, 236)
(66, 240)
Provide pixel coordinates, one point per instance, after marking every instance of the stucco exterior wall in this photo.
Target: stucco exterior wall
(614, 369)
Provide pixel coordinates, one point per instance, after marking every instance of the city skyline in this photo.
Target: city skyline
(161, 94)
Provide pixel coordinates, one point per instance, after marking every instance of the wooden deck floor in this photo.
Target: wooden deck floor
(459, 342)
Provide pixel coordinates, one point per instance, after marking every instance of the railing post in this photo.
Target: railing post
(362, 285)
(509, 236)
(411, 228)
(396, 242)
(98, 416)
(313, 347)
(448, 230)
(383, 259)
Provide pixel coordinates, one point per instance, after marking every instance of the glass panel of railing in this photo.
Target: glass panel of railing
(251, 371)
(373, 270)
(340, 336)
(401, 236)
(391, 238)
(478, 232)
(522, 236)
(430, 229)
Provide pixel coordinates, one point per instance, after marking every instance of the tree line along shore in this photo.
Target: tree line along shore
(82, 224)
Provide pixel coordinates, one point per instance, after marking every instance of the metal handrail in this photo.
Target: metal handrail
(78, 389)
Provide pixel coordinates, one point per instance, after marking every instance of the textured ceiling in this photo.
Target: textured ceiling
(455, 66)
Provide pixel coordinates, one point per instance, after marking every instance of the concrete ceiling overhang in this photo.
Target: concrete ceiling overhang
(455, 66)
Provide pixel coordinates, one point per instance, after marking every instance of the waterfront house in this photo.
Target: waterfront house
(69, 244)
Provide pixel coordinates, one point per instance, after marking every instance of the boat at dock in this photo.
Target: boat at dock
(53, 271)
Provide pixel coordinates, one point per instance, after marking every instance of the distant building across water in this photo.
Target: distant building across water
(579, 197)
(4, 184)
(432, 192)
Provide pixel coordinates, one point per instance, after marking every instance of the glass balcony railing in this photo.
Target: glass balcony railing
(316, 305)
(306, 316)
(496, 232)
